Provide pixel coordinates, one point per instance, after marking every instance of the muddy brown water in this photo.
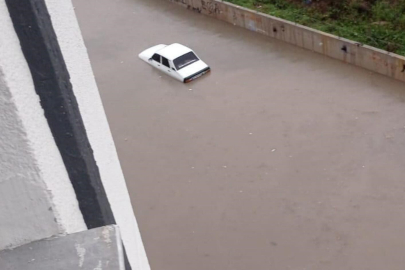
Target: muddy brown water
(279, 159)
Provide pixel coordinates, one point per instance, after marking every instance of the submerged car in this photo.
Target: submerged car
(176, 60)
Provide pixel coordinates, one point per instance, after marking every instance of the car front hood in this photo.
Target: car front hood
(148, 53)
(192, 69)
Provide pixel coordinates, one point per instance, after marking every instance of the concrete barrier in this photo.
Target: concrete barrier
(96, 249)
(349, 51)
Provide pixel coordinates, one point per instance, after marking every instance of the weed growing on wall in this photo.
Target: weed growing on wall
(379, 23)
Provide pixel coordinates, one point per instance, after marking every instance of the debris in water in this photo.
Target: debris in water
(273, 150)
(190, 89)
(224, 167)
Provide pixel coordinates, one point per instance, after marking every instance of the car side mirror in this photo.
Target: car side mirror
(173, 69)
(150, 59)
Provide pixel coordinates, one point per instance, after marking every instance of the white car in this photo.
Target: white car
(176, 60)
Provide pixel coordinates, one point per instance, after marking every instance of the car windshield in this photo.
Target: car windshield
(185, 60)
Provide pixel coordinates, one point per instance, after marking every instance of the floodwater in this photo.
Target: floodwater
(279, 159)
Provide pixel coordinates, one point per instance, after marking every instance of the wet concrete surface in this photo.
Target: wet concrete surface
(279, 159)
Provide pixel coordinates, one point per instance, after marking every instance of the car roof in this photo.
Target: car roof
(173, 51)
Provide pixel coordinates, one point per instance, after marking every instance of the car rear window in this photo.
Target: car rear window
(185, 60)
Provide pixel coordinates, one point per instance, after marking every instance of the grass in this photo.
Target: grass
(378, 23)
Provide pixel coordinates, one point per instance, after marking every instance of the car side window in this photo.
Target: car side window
(165, 62)
(156, 57)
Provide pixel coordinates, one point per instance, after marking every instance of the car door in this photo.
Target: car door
(174, 72)
(156, 61)
(167, 69)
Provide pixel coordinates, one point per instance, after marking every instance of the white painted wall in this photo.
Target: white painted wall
(84, 86)
(37, 199)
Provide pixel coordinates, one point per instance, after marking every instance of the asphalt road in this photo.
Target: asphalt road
(279, 159)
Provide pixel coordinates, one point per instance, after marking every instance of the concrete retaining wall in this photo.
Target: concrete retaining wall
(37, 199)
(98, 131)
(351, 52)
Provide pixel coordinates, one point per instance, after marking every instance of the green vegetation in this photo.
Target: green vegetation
(379, 23)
